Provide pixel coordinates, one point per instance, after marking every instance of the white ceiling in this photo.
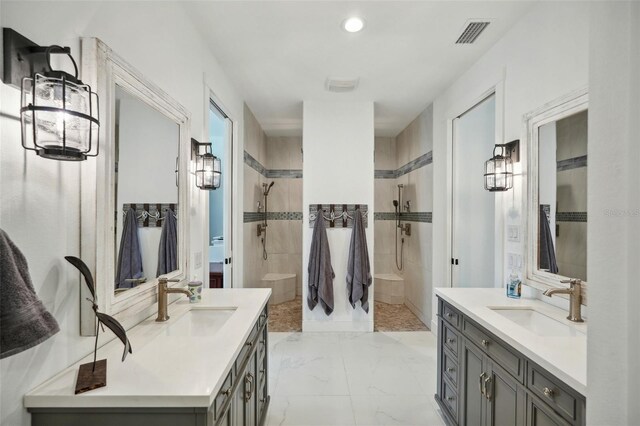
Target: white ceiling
(279, 54)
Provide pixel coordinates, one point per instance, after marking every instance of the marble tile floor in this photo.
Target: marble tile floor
(385, 378)
(287, 317)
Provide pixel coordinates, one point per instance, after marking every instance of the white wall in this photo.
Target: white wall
(338, 144)
(40, 206)
(544, 56)
(613, 342)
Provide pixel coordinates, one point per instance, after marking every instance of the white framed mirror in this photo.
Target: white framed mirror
(135, 221)
(556, 188)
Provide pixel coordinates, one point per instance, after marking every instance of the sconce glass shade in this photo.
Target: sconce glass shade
(208, 169)
(59, 116)
(498, 171)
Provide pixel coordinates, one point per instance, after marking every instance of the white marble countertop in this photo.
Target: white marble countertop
(164, 370)
(564, 357)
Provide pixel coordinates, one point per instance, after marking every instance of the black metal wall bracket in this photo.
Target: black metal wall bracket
(22, 58)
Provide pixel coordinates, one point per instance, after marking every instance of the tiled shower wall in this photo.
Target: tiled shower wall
(256, 149)
(277, 159)
(284, 234)
(407, 159)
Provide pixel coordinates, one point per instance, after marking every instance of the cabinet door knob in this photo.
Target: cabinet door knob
(449, 315)
(226, 392)
(547, 392)
(450, 340)
(450, 369)
(485, 342)
(450, 398)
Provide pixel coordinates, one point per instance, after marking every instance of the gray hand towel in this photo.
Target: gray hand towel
(358, 269)
(168, 254)
(129, 256)
(321, 273)
(24, 321)
(547, 252)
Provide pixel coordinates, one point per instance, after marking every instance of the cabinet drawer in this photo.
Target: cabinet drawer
(506, 358)
(450, 368)
(450, 338)
(262, 343)
(247, 347)
(539, 414)
(554, 393)
(450, 315)
(450, 399)
(223, 395)
(264, 316)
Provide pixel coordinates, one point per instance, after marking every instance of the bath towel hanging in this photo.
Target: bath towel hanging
(321, 273)
(547, 251)
(129, 255)
(168, 252)
(24, 319)
(358, 268)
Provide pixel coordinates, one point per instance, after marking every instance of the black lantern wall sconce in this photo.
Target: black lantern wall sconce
(498, 170)
(208, 166)
(58, 112)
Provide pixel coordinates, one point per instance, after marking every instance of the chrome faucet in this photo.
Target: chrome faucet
(163, 290)
(575, 297)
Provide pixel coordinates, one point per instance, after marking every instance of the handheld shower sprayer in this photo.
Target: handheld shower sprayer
(262, 228)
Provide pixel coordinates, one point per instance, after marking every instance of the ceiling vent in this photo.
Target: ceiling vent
(472, 30)
(341, 85)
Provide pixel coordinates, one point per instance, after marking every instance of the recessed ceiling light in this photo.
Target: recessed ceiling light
(353, 25)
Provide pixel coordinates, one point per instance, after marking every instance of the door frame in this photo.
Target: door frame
(232, 277)
(456, 112)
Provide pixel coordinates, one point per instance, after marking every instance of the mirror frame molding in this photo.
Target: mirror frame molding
(102, 68)
(557, 109)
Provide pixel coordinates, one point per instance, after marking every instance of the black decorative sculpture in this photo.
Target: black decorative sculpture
(93, 375)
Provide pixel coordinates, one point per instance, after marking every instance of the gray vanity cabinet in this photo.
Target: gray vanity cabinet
(243, 399)
(482, 381)
(248, 397)
(490, 395)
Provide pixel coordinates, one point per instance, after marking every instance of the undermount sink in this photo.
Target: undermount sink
(200, 322)
(537, 322)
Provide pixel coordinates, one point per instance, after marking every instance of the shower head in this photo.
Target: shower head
(267, 187)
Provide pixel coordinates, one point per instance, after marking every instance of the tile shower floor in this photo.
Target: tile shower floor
(385, 378)
(287, 317)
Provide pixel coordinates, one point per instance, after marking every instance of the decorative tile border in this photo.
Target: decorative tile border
(284, 173)
(571, 217)
(253, 217)
(572, 163)
(253, 163)
(274, 173)
(424, 217)
(259, 217)
(385, 174)
(412, 165)
(284, 216)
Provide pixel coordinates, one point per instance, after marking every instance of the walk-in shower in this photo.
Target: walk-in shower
(401, 228)
(262, 227)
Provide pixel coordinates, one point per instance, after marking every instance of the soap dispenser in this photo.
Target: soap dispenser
(514, 286)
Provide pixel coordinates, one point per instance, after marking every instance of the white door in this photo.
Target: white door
(473, 230)
(220, 200)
